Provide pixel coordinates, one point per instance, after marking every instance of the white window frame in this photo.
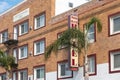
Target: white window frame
(1, 36)
(14, 76)
(111, 24)
(2, 75)
(24, 54)
(61, 46)
(91, 57)
(112, 60)
(90, 40)
(37, 27)
(19, 78)
(35, 47)
(15, 55)
(35, 75)
(66, 70)
(24, 27)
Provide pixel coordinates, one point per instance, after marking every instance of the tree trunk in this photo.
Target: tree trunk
(8, 75)
(86, 59)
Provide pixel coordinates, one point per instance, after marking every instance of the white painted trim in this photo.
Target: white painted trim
(13, 7)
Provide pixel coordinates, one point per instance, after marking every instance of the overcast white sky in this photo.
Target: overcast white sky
(62, 5)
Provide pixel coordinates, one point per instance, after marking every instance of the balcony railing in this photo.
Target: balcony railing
(9, 40)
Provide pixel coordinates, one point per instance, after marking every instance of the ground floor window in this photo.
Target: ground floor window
(115, 60)
(39, 73)
(64, 70)
(22, 75)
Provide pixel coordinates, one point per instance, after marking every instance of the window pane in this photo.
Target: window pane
(116, 24)
(23, 75)
(26, 27)
(4, 36)
(15, 76)
(42, 73)
(91, 33)
(117, 61)
(23, 52)
(37, 47)
(3, 77)
(42, 20)
(42, 47)
(38, 22)
(38, 73)
(62, 69)
(91, 28)
(91, 36)
(91, 64)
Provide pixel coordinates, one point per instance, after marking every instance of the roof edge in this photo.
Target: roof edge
(13, 7)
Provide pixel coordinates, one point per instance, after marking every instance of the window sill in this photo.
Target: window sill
(114, 71)
(23, 34)
(65, 77)
(38, 54)
(92, 74)
(38, 28)
(23, 58)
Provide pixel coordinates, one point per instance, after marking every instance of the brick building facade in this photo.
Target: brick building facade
(34, 24)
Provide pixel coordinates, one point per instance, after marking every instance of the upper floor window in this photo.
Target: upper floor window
(92, 64)
(23, 52)
(63, 70)
(23, 28)
(3, 36)
(39, 73)
(91, 34)
(39, 47)
(14, 75)
(15, 55)
(114, 24)
(115, 60)
(22, 75)
(61, 46)
(40, 21)
(3, 77)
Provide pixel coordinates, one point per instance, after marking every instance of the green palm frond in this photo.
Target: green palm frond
(69, 34)
(92, 21)
(7, 61)
(65, 40)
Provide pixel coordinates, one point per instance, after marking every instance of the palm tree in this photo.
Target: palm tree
(8, 63)
(82, 41)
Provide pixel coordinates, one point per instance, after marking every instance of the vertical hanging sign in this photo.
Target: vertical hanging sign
(73, 55)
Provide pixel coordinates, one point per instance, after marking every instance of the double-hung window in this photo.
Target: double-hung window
(22, 75)
(23, 52)
(115, 60)
(39, 73)
(15, 55)
(64, 70)
(23, 28)
(39, 47)
(114, 24)
(91, 33)
(91, 64)
(40, 21)
(3, 77)
(3, 36)
(14, 76)
(61, 46)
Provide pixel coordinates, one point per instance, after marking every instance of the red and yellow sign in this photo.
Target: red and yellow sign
(73, 23)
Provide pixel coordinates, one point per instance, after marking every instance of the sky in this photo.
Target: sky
(61, 5)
